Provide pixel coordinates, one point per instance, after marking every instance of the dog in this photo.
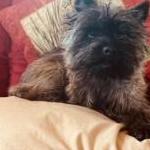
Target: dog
(101, 66)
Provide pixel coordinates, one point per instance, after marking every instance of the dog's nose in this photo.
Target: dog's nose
(107, 50)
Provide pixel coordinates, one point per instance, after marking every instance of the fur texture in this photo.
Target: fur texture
(105, 50)
(104, 54)
(45, 79)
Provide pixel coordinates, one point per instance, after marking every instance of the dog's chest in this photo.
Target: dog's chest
(108, 94)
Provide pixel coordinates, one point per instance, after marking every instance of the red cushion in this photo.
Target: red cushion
(16, 1)
(5, 3)
(4, 61)
(131, 2)
(33, 1)
(147, 70)
(22, 50)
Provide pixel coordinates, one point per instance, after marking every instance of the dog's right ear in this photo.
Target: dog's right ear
(83, 4)
(141, 11)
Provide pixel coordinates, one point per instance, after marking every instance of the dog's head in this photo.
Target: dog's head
(106, 40)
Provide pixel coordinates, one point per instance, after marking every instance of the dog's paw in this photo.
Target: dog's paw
(140, 134)
(19, 91)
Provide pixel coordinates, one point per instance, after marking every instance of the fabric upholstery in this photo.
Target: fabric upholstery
(26, 125)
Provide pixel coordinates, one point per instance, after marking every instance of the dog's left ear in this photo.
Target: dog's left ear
(82, 4)
(141, 11)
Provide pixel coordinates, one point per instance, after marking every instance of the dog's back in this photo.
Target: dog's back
(44, 79)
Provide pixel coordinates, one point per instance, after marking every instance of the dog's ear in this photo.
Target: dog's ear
(82, 4)
(141, 11)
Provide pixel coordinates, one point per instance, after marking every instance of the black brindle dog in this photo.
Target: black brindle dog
(102, 67)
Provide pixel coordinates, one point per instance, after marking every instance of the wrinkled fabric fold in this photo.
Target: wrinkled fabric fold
(27, 125)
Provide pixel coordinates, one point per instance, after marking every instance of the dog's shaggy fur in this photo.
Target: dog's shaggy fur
(44, 79)
(102, 67)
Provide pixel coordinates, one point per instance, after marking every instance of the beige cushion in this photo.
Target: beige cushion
(27, 125)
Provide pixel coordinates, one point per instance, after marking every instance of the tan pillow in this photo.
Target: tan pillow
(27, 125)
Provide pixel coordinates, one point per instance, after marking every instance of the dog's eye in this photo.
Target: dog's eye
(92, 34)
